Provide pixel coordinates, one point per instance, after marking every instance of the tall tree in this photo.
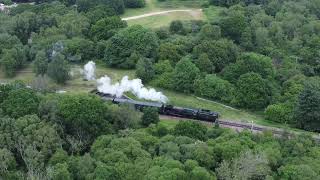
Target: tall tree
(58, 69)
(184, 75)
(307, 112)
(40, 64)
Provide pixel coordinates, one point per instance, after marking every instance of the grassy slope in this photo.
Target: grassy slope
(165, 19)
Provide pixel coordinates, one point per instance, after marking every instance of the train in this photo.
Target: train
(163, 109)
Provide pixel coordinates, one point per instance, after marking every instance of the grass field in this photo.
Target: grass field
(165, 19)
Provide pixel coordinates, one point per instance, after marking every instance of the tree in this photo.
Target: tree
(13, 59)
(60, 172)
(220, 52)
(40, 64)
(233, 23)
(105, 28)
(20, 102)
(169, 51)
(215, 88)
(176, 27)
(184, 75)
(307, 112)
(134, 3)
(204, 64)
(250, 62)
(127, 41)
(190, 129)
(251, 91)
(150, 116)
(144, 69)
(83, 116)
(247, 166)
(281, 113)
(9, 62)
(8, 162)
(210, 32)
(58, 69)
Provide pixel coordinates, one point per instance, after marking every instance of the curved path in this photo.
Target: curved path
(159, 13)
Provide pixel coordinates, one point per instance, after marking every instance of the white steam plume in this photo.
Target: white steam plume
(89, 71)
(135, 86)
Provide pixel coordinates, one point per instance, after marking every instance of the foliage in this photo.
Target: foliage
(190, 129)
(150, 116)
(184, 75)
(40, 64)
(177, 27)
(133, 39)
(107, 27)
(58, 69)
(214, 88)
(144, 69)
(280, 113)
(251, 91)
(134, 3)
(307, 112)
(15, 103)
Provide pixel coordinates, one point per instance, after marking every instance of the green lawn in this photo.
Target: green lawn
(165, 19)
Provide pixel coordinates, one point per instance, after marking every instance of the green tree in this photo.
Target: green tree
(134, 3)
(83, 115)
(247, 166)
(307, 112)
(60, 172)
(144, 69)
(107, 27)
(215, 88)
(220, 52)
(15, 104)
(7, 163)
(40, 64)
(190, 129)
(281, 113)
(210, 32)
(204, 63)
(8, 62)
(127, 41)
(169, 51)
(250, 62)
(251, 91)
(150, 116)
(184, 75)
(58, 69)
(176, 27)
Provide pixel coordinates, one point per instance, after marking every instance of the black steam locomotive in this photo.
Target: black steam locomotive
(198, 114)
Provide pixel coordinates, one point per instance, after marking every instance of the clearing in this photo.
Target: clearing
(157, 14)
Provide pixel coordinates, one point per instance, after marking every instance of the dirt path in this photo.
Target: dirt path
(196, 11)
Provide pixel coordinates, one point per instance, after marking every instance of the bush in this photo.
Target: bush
(190, 129)
(150, 116)
(214, 87)
(176, 27)
(134, 3)
(280, 113)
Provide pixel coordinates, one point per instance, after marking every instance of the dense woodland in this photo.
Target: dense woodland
(256, 55)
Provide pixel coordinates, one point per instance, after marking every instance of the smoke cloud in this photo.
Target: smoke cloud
(89, 71)
(134, 86)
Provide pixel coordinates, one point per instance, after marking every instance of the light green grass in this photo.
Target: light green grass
(168, 123)
(165, 19)
(155, 5)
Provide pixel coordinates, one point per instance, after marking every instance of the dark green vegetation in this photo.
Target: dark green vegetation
(81, 137)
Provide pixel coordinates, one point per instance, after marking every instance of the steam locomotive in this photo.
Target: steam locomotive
(197, 114)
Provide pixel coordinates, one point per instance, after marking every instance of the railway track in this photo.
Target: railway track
(239, 126)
